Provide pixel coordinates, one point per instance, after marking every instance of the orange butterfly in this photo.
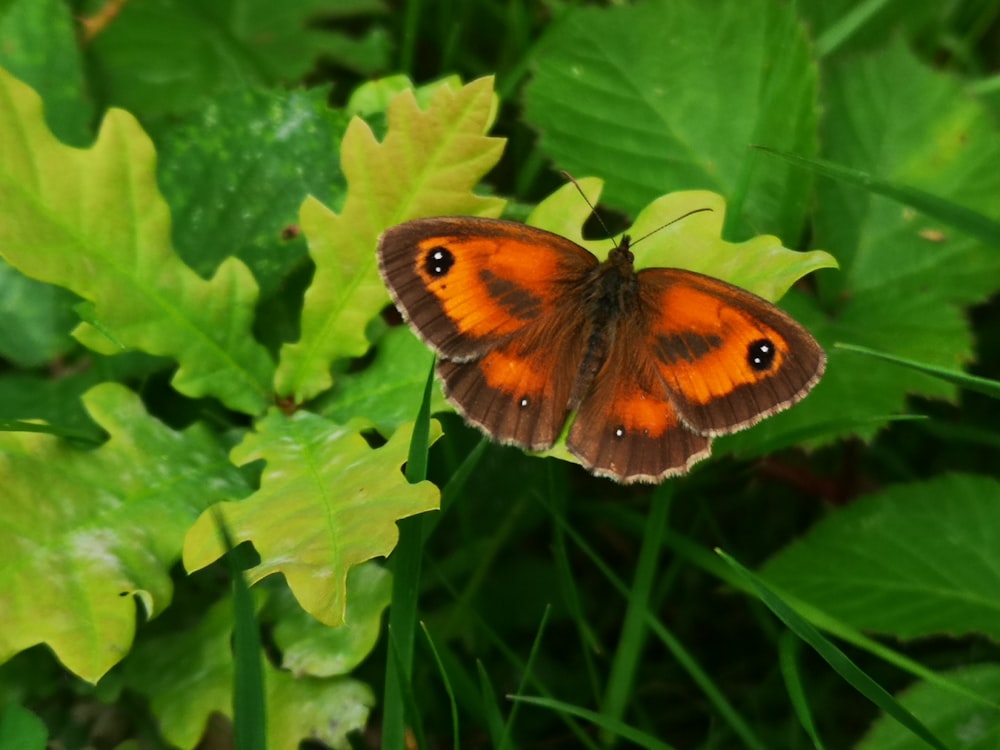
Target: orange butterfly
(529, 326)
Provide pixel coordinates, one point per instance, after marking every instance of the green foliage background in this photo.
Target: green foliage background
(193, 329)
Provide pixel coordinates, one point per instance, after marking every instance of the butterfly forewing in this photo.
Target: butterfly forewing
(728, 357)
(467, 284)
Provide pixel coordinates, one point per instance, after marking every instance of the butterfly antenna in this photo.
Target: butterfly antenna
(604, 226)
(672, 221)
(593, 209)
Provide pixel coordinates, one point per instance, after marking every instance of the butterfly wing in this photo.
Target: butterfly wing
(497, 301)
(468, 284)
(626, 426)
(728, 357)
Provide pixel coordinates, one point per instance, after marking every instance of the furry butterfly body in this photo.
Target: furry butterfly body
(530, 328)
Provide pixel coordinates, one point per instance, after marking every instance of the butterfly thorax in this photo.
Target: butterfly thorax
(611, 292)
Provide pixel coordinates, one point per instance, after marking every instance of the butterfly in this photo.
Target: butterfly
(530, 328)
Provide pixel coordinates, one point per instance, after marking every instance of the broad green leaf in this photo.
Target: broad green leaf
(35, 319)
(388, 390)
(236, 171)
(761, 265)
(310, 648)
(114, 519)
(427, 164)
(961, 723)
(912, 561)
(187, 675)
(668, 96)
(327, 502)
(159, 57)
(93, 221)
(57, 401)
(906, 279)
(374, 97)
(321, 709)
(40, 48)
(21, 729)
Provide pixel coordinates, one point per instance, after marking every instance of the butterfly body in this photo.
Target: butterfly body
(530, 328)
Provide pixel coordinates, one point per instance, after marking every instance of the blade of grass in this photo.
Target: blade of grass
(963, 380)
(249, 707)
(606, 724)
(581, 736)
(447, 686)
(848, 25)
(456, 483)
(589, 642)
(407, 701)
(833, 656)
(788, 647)
(529, 666)
(683, 657)
(633, 636)
(713, 565)
(495, 725)
(405, 563)
(963, 219)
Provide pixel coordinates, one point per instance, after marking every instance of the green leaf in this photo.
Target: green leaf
(234, 175)
(93, 221)
(387, 391)
(962, 724)
(657, 96)
(906, 279)
(114, 521)
(35, 319)
(427, 164)
(21, 729)
(310, 648)
(327, 502)
(187, 675)
(57, 401)
(159, 57)
(761, 265)
(40, 48)
(324, 710)
(955, 216)
(912, 561)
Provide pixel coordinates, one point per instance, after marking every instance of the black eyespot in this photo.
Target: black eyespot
(438, 261)
(760, 354)
(619, 431)
(525, 402)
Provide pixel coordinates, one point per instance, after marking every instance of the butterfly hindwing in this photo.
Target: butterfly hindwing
(519, 391)
(626, 426)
